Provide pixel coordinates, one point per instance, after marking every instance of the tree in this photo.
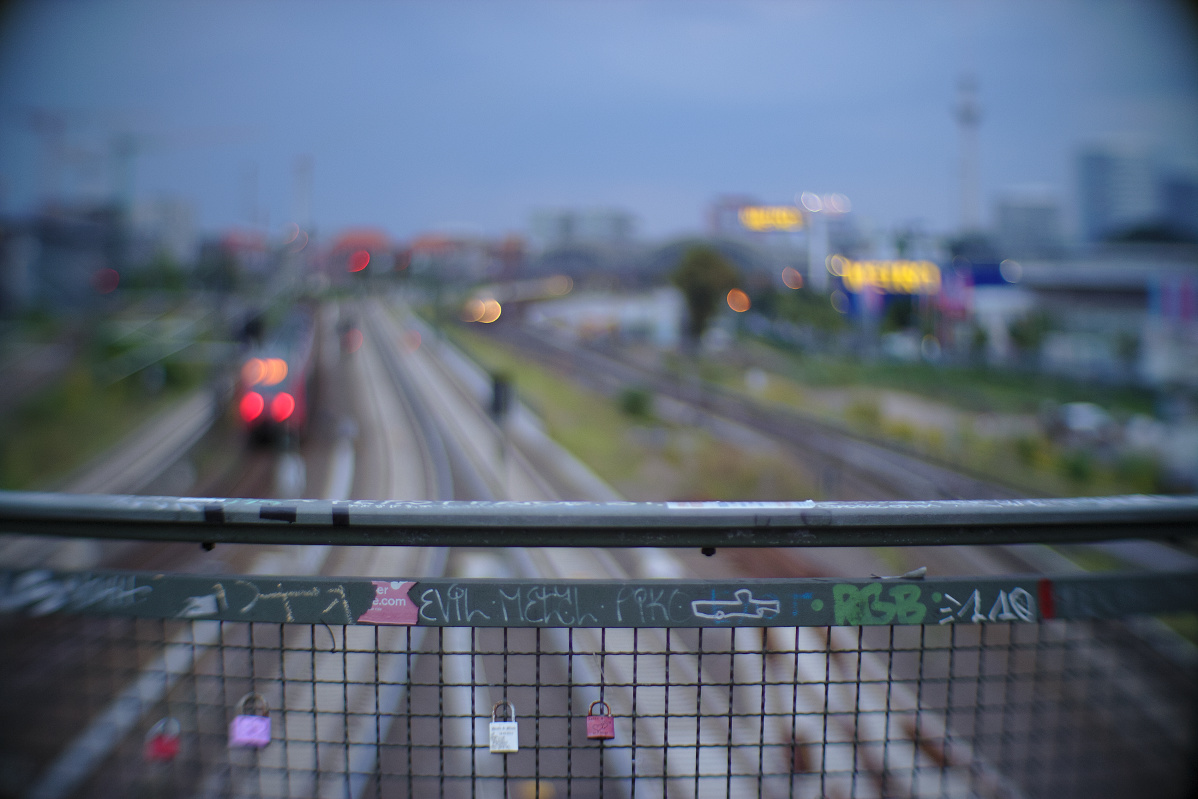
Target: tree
(704, 277)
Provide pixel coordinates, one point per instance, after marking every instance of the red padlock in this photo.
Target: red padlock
(600, 726)
(162, 741)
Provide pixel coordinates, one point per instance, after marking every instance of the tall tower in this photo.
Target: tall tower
(301, 171)
(969, 116)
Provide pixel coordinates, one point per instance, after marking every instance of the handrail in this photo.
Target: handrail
(610, 524)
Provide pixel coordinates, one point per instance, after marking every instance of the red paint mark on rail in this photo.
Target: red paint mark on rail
(1048, 608)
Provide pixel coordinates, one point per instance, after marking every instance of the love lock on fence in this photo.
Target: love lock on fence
(250, 728)
(162, 741)
(504, 735)
(600, 726)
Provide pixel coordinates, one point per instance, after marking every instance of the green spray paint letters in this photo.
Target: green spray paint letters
(865, 605)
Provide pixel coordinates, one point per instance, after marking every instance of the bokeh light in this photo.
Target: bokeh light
(105, 281)
(276, 371)
(253, 372)
(491, 311)
(837, 203)
(559, 285)
(473, 310)
(792, 278)
(251, 406)
(282, 406)
(738, 301)
(359, 261)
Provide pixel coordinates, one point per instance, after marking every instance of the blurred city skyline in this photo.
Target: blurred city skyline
(471, 117)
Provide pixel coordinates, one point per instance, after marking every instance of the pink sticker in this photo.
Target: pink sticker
(391, 604)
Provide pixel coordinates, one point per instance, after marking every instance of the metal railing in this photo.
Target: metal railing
(1016, 685)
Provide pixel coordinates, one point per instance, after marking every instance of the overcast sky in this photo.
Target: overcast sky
(469, 116)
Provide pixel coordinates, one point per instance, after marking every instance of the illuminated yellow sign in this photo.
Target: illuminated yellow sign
(761, 218)
(887, 277)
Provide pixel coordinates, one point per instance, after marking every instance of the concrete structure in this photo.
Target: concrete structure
(1112, 318)
(654, 316)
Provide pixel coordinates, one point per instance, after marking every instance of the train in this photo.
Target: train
(274, 382)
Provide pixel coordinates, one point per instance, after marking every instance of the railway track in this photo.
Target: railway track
(854, 468)
(701, 713)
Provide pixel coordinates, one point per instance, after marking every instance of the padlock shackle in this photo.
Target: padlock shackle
(168, 725)
(606, 709)
(259, 702)
(508, 705)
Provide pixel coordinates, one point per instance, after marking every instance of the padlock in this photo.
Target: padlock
(600, 726)
(504, 737)
(251, 726)
(162, 741)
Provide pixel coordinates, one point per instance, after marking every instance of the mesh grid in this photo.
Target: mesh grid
(1059, 708)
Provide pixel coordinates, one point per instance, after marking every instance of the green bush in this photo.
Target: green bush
(1077, 465)
(637, 402)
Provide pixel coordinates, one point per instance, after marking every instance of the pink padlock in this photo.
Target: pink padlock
(600, 726)
(250, 728)
(162, 741)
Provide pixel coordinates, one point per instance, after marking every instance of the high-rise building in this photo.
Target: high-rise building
(569, 227)
(1179, 198)
(1118, 190)
(1029, 223)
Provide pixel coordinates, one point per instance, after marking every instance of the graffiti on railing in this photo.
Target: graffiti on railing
(592, 603)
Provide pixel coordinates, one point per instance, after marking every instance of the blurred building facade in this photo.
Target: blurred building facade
(50, 260)
(1117, 190)
(1029, 223)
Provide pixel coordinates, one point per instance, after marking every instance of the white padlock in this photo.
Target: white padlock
(504, 736)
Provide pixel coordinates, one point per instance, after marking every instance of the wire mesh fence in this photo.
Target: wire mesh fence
(1052, 708)
(201, 685)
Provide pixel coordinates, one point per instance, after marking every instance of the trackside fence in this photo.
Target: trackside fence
(125, 683)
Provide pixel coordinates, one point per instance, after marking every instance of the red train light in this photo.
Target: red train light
(251, 406)
(282, 406)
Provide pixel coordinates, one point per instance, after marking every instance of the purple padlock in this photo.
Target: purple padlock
(600, 726)
(250, 728)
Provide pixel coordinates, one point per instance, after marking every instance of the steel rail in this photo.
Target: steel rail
(610, 524)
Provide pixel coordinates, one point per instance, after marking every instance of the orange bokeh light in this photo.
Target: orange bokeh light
(738, 301)
(491, 311)
(792, 278)
(276, 371)
(253, 371)
(473, 310)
